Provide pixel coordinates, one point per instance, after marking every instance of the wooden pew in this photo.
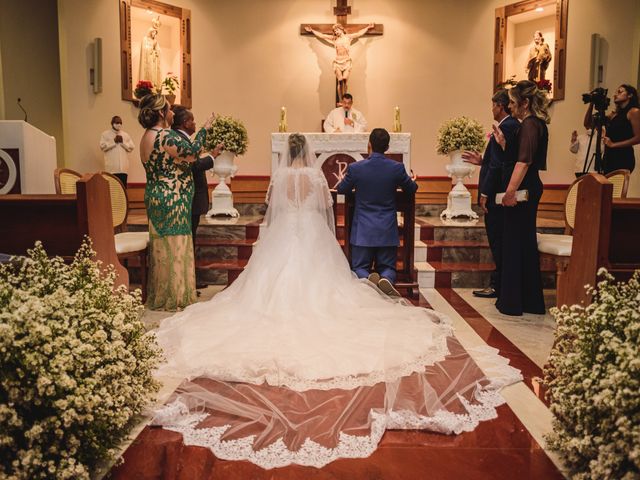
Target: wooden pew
(60, 222)
(606, 234)
(407, 276)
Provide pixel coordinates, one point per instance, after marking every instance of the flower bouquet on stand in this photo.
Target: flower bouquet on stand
(233, 135)
(454, 137)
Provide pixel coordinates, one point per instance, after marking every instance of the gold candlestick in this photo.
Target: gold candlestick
(397, 126)
(282, 125)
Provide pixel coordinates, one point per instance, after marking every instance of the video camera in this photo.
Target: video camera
(598, 98)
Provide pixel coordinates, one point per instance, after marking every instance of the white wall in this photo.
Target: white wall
(434, 61)
(30, 67)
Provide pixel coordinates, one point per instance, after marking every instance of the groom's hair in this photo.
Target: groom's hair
(348, 96)
(180, 115)
(379, 139)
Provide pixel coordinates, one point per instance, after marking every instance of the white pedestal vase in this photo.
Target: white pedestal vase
(221, 197)
(459, 200)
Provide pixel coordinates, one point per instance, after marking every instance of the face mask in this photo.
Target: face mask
(117, 126)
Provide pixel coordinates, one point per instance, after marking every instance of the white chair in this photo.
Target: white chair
(128, 244)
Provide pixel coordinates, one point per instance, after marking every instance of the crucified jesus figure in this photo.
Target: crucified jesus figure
(342, 41)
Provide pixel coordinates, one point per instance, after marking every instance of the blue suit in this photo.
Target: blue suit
(490, 179)
(374, 231)
(490, 183)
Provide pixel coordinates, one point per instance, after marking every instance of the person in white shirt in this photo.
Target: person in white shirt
(579, 145)
(116, 145)
(345, 119)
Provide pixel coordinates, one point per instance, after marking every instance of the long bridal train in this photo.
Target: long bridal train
(300, 362)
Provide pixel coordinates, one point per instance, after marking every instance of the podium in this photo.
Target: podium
(27, 158)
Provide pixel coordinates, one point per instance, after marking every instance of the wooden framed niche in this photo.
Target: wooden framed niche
(154, 30)
(515, 26)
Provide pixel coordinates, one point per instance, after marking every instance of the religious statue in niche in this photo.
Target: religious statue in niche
(150, 55)
(342, 41)
(539, 58)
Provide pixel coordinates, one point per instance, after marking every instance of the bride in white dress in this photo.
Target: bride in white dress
(298, 361)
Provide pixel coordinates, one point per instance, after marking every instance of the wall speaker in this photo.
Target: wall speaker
(95, 72)
(596, 67)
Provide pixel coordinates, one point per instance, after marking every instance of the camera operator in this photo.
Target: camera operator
(622, 130)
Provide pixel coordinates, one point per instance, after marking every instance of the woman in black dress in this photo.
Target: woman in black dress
(521, 282)
(623, 131)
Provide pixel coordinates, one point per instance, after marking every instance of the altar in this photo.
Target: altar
(335, 151)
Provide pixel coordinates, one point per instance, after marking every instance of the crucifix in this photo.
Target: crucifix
(341, 35)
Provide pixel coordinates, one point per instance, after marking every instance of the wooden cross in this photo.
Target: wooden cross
(341, 10)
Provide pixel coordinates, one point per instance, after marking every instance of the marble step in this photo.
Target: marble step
(222, 272)
(212, 249)
(219, 249)
(465, 251)
(464, 232)
(472, 275)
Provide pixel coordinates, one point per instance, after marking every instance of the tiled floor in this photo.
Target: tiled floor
(511, 446)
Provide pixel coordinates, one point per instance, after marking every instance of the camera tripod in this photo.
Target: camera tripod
(599, 120)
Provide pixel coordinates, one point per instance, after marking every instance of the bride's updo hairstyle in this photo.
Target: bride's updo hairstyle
(151, 106)
(538, 101)
(297, 147)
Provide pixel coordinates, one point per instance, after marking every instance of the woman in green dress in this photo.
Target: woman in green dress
(166, 157)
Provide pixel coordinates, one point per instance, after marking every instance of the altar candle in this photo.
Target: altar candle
(397, 126)
(283, 120)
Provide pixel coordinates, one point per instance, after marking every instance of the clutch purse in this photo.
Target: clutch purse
(521, 196)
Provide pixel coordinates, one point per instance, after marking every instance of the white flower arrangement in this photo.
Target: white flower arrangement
(76, 366)
(229, 131)
(461, 133)
(594, 383)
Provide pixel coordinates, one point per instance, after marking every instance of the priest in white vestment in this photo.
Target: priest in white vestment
(345, 119)
(116, 145)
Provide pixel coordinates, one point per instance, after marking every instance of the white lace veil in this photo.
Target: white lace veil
(298, 186)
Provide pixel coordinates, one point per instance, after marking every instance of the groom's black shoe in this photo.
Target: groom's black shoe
(374, 278)
(387, 288)
(488, 292)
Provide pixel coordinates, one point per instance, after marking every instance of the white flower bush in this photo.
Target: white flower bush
(76, 366)
(229, 131)
(461, 133)
(594, 383)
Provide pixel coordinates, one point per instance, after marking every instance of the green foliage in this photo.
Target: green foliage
(169, 84)
(76, 365)
(594, 383)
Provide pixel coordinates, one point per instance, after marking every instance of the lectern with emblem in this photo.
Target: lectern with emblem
(27, 158)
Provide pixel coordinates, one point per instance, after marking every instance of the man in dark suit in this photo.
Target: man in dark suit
(374, 232)
(490, 181)
(185, 125)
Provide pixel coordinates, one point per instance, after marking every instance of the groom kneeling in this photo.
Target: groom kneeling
(374, 231)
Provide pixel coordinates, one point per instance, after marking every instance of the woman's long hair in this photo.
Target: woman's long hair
(538, 100)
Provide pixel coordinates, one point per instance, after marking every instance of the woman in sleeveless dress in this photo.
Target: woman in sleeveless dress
(622, 130)
(167, 159)
(298, 361)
